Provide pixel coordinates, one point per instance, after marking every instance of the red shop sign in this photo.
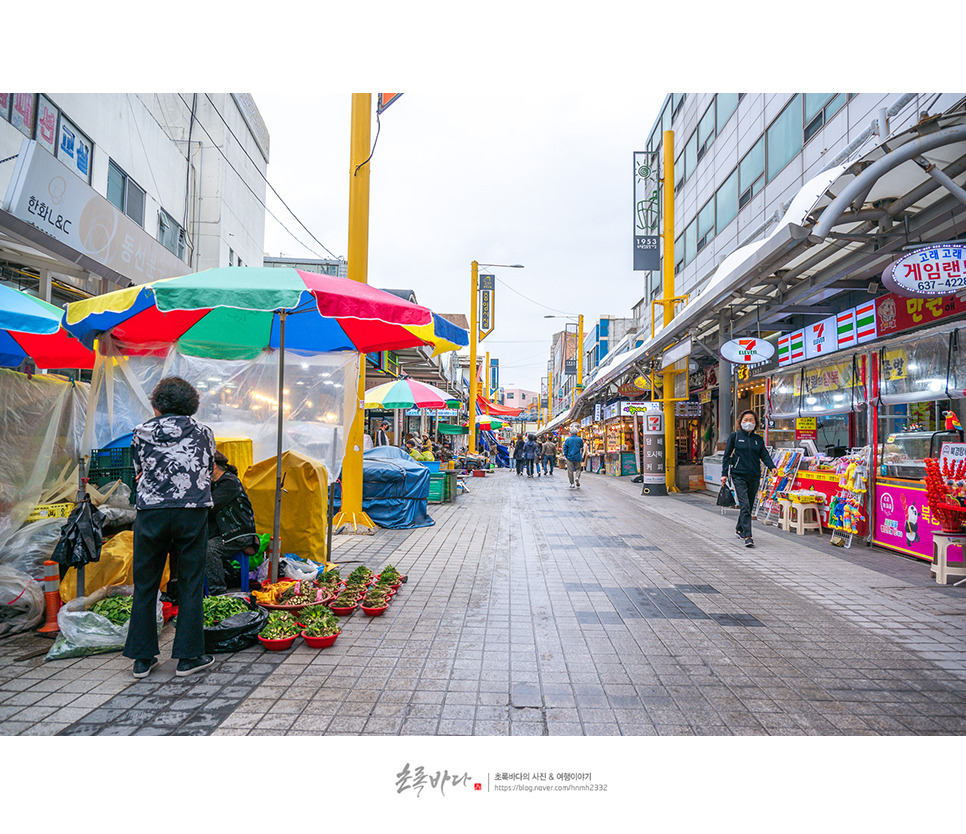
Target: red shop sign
(895, 314)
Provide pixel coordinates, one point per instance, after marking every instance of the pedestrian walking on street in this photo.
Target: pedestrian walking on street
(549, 456)
(744, 454)
(173, 462)
(574, 455)
(518, 454)
(530, 452)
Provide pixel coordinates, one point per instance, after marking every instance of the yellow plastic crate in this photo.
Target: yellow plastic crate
(50, 511)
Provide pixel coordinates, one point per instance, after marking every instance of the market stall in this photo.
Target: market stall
(621, 438)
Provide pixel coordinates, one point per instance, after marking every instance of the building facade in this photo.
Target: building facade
(106, 190)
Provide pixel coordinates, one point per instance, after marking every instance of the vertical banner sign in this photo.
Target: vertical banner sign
(487, 293)
(647, 253)
(494, 375)
(821, 338)
(784, 349)
(652, 450)
(797, 340)
(845, 329)
(865, 322)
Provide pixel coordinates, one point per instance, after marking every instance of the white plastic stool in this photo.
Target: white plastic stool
(941, 542)
(784, 513)
(802, 517)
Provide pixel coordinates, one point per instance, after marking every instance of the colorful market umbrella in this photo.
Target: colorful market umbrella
(409, 393)
(235, 313)
(487, 422)
(30, 329)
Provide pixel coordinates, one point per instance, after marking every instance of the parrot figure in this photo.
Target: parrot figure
(952, 422)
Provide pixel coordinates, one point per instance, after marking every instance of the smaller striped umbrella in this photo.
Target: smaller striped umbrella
(488, 422)
(409, 393)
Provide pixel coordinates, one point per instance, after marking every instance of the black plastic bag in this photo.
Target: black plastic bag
(725, 497)
(81, 537)
(236, 632)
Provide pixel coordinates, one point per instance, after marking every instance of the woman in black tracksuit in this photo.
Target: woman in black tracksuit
(744, 454)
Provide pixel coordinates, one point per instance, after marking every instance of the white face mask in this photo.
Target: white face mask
(748, 425)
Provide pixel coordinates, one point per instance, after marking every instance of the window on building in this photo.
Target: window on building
(691, 155)
(509, 395)
(231, 256)
(726, 202)
(677, 103)
(705, 225)
(751, 173)
(784, 138)
(679, 172)
(705, 132)
(523, 397)
(690, 241)
(170, 234)
(819, 108)
(124, 193)
(678, 258)
(725, 104)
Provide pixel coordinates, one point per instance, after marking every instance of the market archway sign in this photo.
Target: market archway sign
(930, 272)
(747, 351)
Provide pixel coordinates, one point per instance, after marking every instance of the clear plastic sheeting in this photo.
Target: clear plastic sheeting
(836, 386)
(21, 601)
(32, 545)
(915, 370)
(41, 424)
(239, 398)
(784, 391)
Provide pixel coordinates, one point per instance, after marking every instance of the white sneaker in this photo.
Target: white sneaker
(572, 486)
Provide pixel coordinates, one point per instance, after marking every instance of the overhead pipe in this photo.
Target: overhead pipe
(944, 179)
(876, 128)
(880, 167)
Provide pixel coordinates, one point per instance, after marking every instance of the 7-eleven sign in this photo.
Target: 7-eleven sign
(821, 338)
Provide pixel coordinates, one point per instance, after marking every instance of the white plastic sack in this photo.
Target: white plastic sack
(84, 632)
(21, 601)
(31, 546)
(292, 568)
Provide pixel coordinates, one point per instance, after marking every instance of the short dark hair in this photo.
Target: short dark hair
(174, 395)
(748, 411)
(221, 460)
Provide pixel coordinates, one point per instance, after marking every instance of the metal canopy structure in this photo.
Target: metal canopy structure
(860, 215)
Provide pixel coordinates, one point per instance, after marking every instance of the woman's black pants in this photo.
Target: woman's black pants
(183, 532)
(745, 490)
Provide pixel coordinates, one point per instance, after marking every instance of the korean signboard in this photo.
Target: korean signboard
(647, 252)
(70, 211)
(487, 293)
(930, 272)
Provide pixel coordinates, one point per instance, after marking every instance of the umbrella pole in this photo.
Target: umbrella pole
(276, 544)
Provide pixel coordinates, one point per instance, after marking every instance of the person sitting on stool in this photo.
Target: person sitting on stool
(231, 523)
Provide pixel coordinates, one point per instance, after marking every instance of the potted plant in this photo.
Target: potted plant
(345, 603)
(362, 574)
(390, 575)
(375, 603)
(280, 631)
(322, 630)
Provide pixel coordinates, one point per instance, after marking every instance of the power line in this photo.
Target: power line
(260, 201)
(266, 178)
(505, 284)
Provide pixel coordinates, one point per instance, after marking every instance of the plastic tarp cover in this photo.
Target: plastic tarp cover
(21, 601)
(915, 370)
(304, 512)
(84, 633)
(239, 399)
(395, 489)
(32, 545)
(489, 442)
(41, 421)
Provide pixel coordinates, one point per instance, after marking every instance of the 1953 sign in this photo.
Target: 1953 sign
(927, 272)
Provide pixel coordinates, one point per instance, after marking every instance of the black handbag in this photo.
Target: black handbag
(726, 498)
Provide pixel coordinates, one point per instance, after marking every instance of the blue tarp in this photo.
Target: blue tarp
(502, 456)
(395, 489)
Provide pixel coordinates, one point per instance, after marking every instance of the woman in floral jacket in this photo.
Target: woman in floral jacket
(173, 460)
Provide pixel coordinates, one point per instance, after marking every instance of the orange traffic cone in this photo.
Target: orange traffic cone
(52, 596)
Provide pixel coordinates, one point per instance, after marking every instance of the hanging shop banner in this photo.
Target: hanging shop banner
(821, 338)
(633, 409)
(894, 364)
(705, 397)
(747, 351)
(930, 272)
(952, 455)
(487, 285)
(570, 367)
(647, 242)
(831, 377)
(895, 314)
(597, 410)
(630, 389)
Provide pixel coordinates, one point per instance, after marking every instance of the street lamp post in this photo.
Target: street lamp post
(474, 337)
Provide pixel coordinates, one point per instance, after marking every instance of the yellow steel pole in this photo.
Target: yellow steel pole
(670, 446)
(486, 373)
(580, 353)
(474, 287)
(358, 257)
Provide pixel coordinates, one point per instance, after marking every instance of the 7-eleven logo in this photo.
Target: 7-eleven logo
(747, 349)
(818, 337)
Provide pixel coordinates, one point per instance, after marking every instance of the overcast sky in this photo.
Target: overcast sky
(543, 179)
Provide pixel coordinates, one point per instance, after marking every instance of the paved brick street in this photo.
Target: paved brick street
(535, 610)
